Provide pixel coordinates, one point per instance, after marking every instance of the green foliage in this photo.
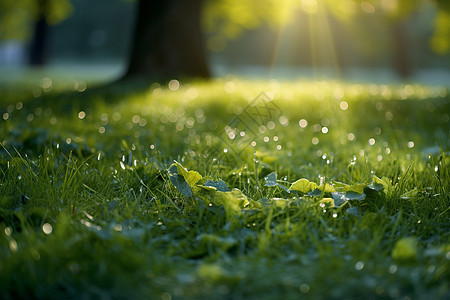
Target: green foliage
(405, 249)
(122, 194)
(17, 17)
(303, 185)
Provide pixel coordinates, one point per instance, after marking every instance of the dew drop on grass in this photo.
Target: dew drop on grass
(321, 180)
(359, 265)
(122, 165)
(334, 215)
(377, 130)
(317, 127)
(351, 136)
(80, 86)
(371, 141)
(392, 269)
(8, 231)
(343, 105)
(81, 115)
(304, 288)
(13, 245)
(410, 144)
(47, 228)
(283, 121)
(303, 123)
(389, 116)
(278, 147)
(174, 85)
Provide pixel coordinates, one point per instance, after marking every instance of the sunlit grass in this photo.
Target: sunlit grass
(87, 206)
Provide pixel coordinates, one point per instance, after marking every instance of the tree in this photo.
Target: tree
(16, 17)
(168, 40)
(395, 14)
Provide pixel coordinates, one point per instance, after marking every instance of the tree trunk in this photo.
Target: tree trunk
(168, 41)
(402, 64)
(38, 53)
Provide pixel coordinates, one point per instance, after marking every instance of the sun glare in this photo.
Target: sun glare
(310, 26)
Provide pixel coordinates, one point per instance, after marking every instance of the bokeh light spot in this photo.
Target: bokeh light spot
(47, 228)
(174, 85)
(303, 123)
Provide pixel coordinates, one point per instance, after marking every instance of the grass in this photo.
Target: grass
(88, 208)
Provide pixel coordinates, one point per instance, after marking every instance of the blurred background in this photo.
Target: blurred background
(376, 40)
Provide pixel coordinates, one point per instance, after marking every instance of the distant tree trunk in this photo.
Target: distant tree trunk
(168, 41)
(402, 63)
(38, 51)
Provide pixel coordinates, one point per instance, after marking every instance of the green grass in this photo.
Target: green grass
(88, 208)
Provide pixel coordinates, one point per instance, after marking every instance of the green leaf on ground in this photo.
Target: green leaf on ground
(219, 185)
(303, 185)
(339, 199)
(179, 182)
(271, 180)
(233, 201)
(405, 250)
(409, 194)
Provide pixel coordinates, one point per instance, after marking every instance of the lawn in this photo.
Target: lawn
(226, 189)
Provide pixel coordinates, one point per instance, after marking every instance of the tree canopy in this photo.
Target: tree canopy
(227, 19)
(17, 16)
